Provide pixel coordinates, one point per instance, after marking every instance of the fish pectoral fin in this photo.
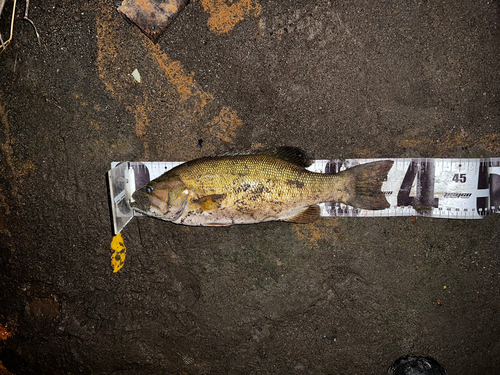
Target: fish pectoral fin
(209, 202)
(308, 215)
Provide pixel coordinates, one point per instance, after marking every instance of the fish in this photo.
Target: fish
(255, 187)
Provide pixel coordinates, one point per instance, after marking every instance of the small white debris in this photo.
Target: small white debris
(136, 75)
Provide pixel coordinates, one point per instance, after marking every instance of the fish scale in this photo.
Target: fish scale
(281, 177)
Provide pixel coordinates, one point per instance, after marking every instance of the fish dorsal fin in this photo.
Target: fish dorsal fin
(308, 215)
(292, 154)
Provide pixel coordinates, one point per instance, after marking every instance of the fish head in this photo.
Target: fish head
(163, 198)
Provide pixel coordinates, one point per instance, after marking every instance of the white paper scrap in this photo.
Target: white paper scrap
(136, 75)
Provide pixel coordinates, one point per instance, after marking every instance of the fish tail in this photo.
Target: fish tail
(366, 185)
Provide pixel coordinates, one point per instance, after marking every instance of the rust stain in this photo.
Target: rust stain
(142, 123)
(25, 167)
(489, 142)
(141, 119)
(4, 334)
(80, 99)
(311, 234)
(224, 15)
(107, 51)
(365, 152)
(225, 124)
(183, 82)
(443, 147)
(3, 370)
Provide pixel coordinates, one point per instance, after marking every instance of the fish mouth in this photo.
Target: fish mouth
(142, 205)
(135, 207)
(145, 212)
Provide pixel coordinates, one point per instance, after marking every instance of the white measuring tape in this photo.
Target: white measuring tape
(440, 188)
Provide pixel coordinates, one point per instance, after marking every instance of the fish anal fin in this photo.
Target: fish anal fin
(209, 202)
(308, 215)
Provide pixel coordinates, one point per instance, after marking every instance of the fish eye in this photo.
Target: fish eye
(149, 189)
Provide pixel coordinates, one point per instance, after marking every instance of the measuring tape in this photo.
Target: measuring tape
(440, 188)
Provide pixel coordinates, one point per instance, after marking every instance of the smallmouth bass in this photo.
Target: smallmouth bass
(252, 188)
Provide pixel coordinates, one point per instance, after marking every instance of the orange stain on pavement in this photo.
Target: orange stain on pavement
(225, 124)
(224, 15)
(324, 229)
(183, 82)
(447, 145)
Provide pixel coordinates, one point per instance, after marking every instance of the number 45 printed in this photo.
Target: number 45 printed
(459, 177)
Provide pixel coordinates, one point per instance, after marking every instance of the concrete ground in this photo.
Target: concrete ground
(339, 296)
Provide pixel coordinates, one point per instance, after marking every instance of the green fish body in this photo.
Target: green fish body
(253, 188)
